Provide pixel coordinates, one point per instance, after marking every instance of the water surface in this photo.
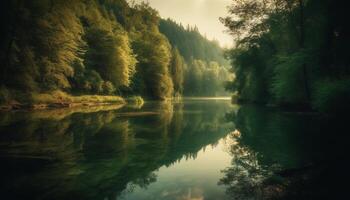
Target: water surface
(195, 149)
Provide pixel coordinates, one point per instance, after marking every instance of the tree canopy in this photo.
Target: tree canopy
(99, 47)
(290, 52)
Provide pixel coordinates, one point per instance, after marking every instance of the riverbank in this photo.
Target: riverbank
(293, 108)
(58, 99)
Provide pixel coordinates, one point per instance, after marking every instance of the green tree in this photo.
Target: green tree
(154, 54)
(109, 54)
(177, 68)
(284, 52)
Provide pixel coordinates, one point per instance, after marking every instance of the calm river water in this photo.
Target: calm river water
(194, 149)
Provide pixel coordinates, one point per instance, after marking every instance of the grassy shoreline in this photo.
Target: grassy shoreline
(59, 99)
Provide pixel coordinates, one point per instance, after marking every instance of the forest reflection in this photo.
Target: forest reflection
(103, 153)
(110, 153)
(282, 155)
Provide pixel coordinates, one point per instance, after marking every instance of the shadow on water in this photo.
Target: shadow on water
(101, 154)
(123, 153)
(279, 155)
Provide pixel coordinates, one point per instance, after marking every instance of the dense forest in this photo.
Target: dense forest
(103, 47)
(205, 67)
(291, 53)
(191, 43)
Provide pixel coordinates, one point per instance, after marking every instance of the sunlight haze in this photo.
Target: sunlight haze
(203, 13)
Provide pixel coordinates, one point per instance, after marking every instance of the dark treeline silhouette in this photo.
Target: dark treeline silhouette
(104, 47)
(291, 53)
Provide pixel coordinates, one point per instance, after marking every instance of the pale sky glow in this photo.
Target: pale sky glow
(203, 13)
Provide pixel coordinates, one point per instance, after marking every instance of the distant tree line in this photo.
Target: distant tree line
(92, 47)
(204, 65)
(291, 53)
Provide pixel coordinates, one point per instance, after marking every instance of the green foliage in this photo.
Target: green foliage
(99, 47)
(205, 79)
(190, 43)
(286, 50)
(203, 63)
(108, 87)
(252, 74)
(177, 68)
(110, 55)
(136, 101)
(154, 54)
(58, 96)
(289, 69)
(194, 77)
(332, 96)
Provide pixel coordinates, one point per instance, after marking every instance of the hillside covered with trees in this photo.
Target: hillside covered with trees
(102, 47)
(291, 53)
(203, 64)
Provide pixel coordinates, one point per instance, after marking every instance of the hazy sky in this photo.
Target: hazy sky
(203, 13)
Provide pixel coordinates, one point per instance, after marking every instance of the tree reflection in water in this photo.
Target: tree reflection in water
(101, 154)
(245, 177)
(284, 155)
